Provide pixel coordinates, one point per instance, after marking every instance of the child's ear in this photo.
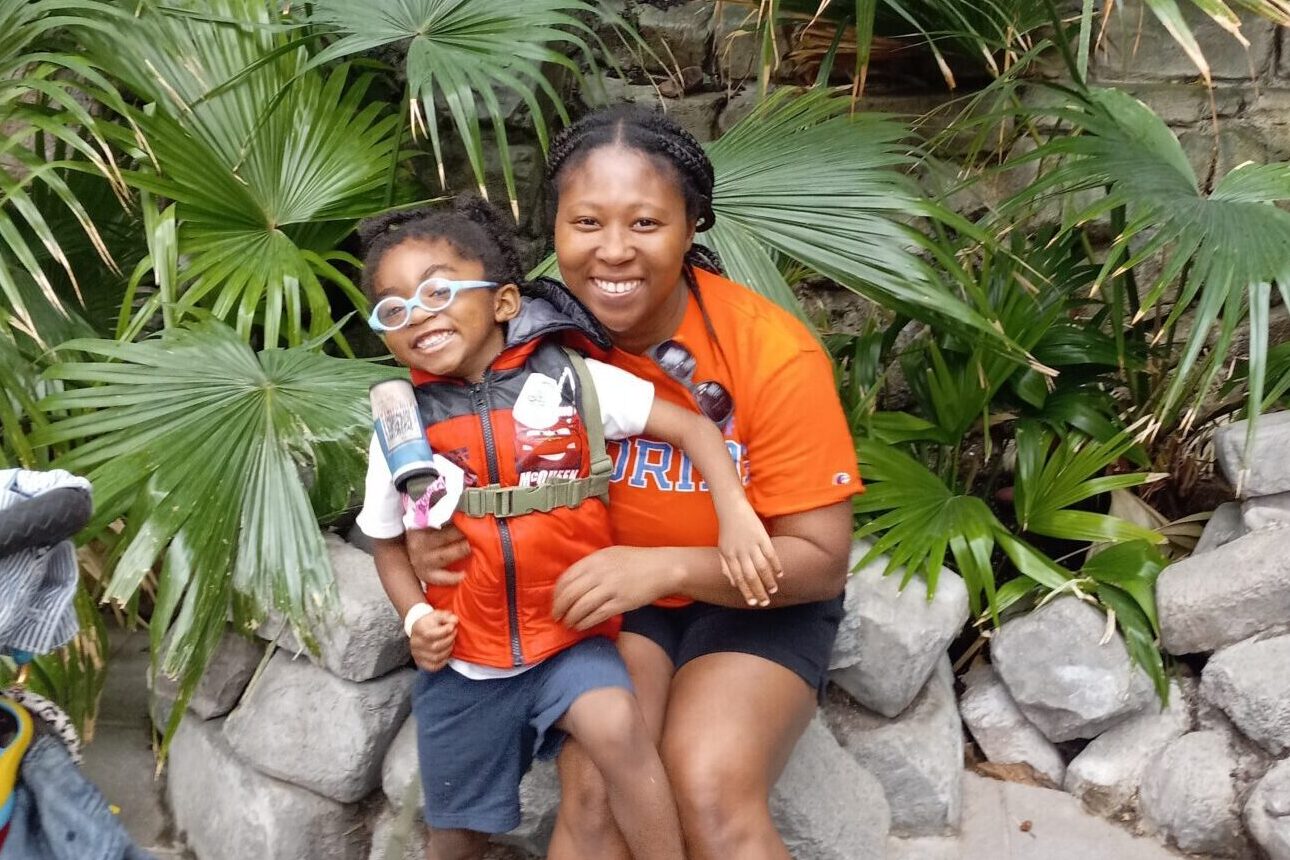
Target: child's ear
(506, 302)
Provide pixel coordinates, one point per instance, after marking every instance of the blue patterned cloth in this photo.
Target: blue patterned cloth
(37, 585)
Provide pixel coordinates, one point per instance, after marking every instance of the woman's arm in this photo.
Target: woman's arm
(813, 547)
(748, 558)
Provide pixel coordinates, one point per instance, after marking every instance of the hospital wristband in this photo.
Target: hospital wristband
(415, 614)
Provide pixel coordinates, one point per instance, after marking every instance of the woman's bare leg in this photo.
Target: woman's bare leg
(732, 722)
(584, 826)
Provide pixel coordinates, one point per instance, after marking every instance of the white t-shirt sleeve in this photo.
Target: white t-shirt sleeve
(625, 399)
(382, 513)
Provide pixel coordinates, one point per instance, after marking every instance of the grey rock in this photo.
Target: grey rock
(890, 640)
(917, 756)
(739, 105)
(225, 809)
(398, 835)
(1226, 595)
(1188, 796)
(825, 805)
(1225, 525)
(680, 34)
(1107, 773)
(735, 44)
(1249, 681)
(923, 848)
(1001, 730)
(1138, 47)
(225, 678)
(1266, 512)
(304, 725)
(1065, 682)
(695, 113)
(367, 639)
(400, 770)
(1268, 469)
(539, 802)
(1267, 812)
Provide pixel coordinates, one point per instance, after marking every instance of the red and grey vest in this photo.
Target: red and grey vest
(525, 425)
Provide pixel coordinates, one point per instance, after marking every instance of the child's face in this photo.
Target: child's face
(461, 340)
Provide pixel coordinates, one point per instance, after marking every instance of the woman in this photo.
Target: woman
(727, 687)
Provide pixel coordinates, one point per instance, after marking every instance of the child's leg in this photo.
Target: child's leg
(608, 725)
(455, 844)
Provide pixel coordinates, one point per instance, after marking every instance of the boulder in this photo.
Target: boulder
(917, 756)
(1231, 593)
(398, 835)
(1268, 471)
(1188, 796)
(223, 681)
(735, 44)
(1250, 682)
(923, 848)
(1001, 730)
(679, 34)
(1107, 773)
(1225, 525)
(825, 805)
(366, 640)
(1266, 512)
(1063, 679)
(401, 769)
(539, 802)
(891, 639)
(1267, 812)
(1138, 46)
(224, 808)
(302, 724)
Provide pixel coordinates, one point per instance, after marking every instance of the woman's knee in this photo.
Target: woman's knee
(718, 804)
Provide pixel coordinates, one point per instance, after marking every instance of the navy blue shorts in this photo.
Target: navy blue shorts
(476, 739)
(797, 637)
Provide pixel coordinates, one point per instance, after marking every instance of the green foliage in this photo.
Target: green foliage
(201, 444)
(462, 54)
(773, 169)
(267, 160)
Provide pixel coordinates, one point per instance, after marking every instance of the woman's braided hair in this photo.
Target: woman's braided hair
(475, 228)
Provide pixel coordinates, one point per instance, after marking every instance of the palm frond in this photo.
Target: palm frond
(45, 85)
(462, 54)
(253, 160)
(1223, 249)
(200, 443)
(803, 176)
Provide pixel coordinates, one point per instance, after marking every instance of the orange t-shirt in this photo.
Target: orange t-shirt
(787, 431)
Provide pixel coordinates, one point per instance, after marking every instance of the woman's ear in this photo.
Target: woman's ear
(506, 302)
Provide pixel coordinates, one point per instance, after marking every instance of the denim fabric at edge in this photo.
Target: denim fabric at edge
(59, 814)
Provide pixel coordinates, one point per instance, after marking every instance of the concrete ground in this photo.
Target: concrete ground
(1001, 820)
(119, 759)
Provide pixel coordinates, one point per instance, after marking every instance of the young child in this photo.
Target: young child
(501, 398)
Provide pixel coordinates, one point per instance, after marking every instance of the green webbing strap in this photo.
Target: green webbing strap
(504, 502)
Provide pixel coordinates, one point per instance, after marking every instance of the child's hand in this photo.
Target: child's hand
(432, 639)
(748, 558)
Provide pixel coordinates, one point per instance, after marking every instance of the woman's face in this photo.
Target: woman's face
(621, 233)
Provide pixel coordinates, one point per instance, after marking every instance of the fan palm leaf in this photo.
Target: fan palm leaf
(45, 86)
(255, 148)
(803, 177)
(462, 54)
(1223, 250)
(200, 443)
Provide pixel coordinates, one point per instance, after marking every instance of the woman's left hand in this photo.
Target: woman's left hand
(609, 582)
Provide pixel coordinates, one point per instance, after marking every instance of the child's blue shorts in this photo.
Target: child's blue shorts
(476, 739)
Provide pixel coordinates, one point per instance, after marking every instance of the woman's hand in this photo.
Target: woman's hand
(432, 638)
(432, 550)
(609, 582)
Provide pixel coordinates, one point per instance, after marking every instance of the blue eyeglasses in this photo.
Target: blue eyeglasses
(432, 295)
